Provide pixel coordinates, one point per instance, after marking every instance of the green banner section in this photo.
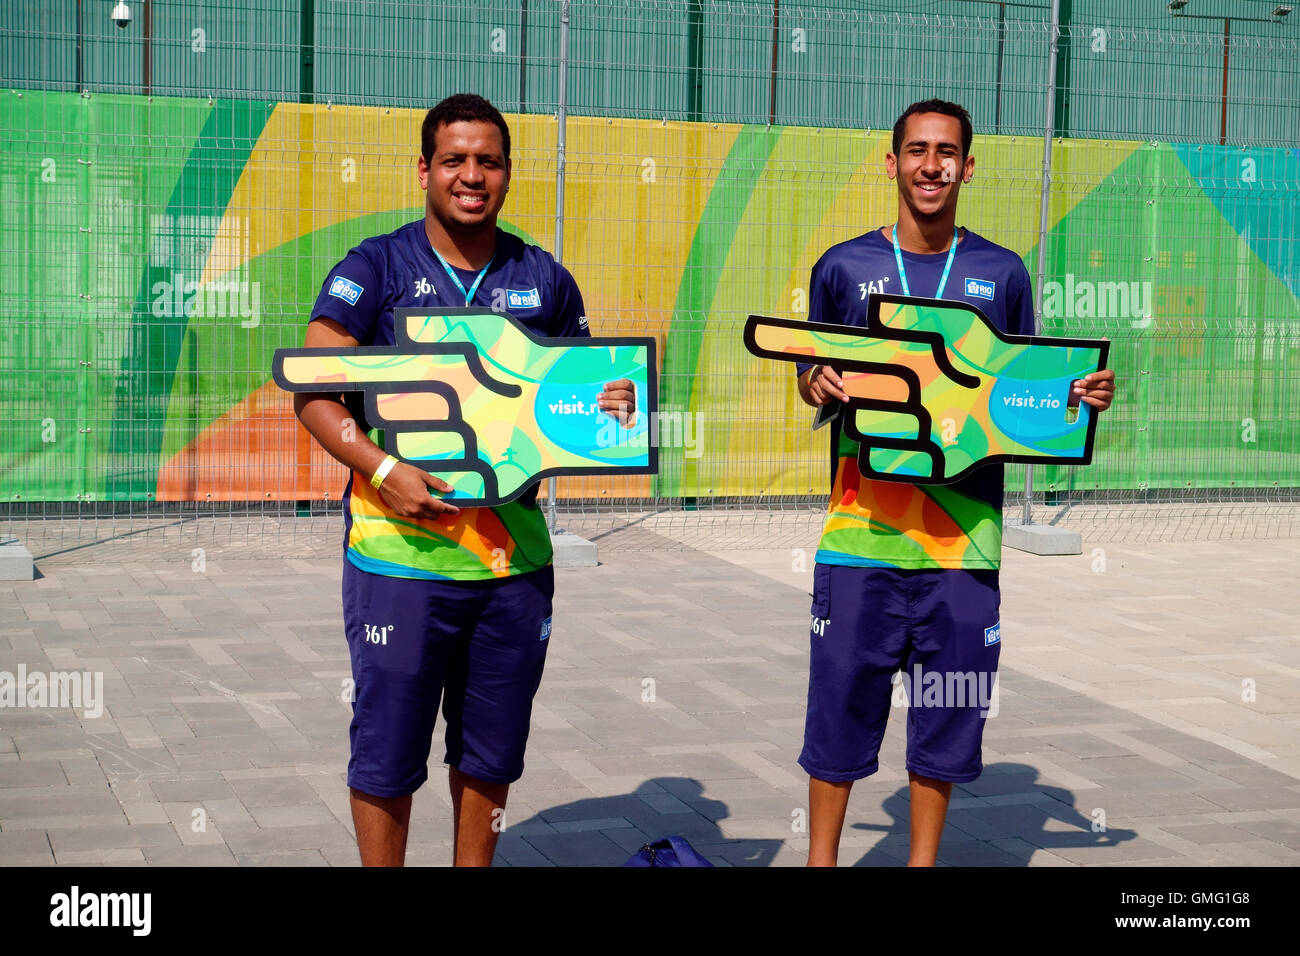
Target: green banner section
(701, 284)
(171, 293)
(1188, 259)
(94, 208)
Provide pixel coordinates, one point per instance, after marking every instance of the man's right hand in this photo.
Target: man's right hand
(821, 384)
(406, 490)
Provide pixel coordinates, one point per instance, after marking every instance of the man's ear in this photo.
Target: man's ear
(422, 172)
(968, 169)
(891, 165)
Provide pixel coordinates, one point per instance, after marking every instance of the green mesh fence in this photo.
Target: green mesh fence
(172, 194)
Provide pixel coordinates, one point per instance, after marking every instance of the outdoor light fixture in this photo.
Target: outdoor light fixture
(1281, 10)
(1176, 5)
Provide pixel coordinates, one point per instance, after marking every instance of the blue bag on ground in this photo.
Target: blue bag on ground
(670, 851)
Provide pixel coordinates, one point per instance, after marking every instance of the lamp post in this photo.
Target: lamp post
(1176, 8)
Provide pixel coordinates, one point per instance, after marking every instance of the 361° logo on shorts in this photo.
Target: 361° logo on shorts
(378, 635)
(992, 635)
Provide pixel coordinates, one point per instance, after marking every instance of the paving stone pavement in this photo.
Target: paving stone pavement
(1148, 714)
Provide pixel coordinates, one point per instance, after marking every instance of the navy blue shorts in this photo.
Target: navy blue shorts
(479, 646)
(941, 629)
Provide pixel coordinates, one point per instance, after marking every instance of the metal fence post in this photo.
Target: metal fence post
(1049, 122)
(561, 114)
(307, 52)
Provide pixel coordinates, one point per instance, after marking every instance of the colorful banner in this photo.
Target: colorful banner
(158, 253)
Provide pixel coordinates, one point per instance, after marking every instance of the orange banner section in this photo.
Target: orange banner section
(256, 451)
(259, 451)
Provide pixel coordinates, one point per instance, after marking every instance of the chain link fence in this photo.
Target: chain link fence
(173, 194)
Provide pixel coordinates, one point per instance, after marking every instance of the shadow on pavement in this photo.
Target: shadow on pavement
(972, 833)
(607, 831)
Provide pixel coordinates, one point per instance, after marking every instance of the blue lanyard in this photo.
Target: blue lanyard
(902, 273)
(469, 296)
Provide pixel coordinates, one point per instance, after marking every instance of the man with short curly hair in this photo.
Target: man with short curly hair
(440, 603)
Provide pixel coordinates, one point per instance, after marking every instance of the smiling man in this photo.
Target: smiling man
(907, 575)
(440, 603)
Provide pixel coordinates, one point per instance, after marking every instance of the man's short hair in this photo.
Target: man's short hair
(936, 106)
(461, 108)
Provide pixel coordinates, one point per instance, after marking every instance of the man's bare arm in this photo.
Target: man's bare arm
(406, 488)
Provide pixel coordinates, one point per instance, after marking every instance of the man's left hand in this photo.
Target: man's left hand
(1097, 389)
(619, 400)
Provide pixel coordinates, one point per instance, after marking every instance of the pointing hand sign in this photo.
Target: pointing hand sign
(472, 397)
(934, 390)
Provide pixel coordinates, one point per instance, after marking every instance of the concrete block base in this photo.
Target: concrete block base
(1042, 539)
(572, 551)
(15, 562)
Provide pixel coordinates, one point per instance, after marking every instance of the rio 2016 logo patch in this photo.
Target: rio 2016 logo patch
(981, 288)
(346, 289)
(993, 635)
(530, 299)
(546, 629)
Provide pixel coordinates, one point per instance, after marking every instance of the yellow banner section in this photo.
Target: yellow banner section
(636, 192)
(315, 166)
(668, 232)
